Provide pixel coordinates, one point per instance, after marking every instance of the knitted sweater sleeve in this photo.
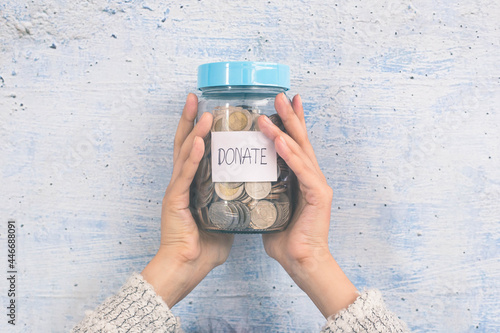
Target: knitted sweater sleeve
(367, 314)
(135, 308)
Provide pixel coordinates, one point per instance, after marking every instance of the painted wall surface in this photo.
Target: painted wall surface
(401, 102)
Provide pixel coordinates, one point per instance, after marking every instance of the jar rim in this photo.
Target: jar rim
(243, 73)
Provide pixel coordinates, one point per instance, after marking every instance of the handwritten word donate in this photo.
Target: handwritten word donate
(243, 156)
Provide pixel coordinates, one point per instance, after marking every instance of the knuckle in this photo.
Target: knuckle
(328, 194)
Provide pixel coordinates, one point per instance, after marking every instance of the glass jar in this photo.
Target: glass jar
(242, 185)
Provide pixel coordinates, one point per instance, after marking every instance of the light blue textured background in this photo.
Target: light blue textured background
(401, 103)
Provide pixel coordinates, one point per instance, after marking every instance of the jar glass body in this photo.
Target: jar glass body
(241, 206)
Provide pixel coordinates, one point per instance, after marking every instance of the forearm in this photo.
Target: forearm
(322, 279)
(173, 278)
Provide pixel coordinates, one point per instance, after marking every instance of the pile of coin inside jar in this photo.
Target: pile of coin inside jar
(241, 207)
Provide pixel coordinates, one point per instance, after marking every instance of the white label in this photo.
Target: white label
(243, 156)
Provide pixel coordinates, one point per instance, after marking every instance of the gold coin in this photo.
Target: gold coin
(237, 121)
(240, 120)
(228, 193)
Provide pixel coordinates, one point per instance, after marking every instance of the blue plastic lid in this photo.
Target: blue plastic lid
(243, 73)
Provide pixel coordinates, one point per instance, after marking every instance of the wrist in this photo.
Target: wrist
(297, 264)
(174, 277)
(322, 279)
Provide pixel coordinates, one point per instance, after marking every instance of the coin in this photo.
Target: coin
(283, 208)
(219, 111)
(244, 198)
(279, 187)
(244, 218)
(203, 216)
(228, 193)
(240, 120)
(232, 184)
(283, 169)
(276, 120)
(272, 196)
(237, 206)
(203, 194)
(204, 171)
(258, 190)
(263, 215)
(220, 124)
(221, 215)
(255, 117)
(252, 204)
(215, 197)
(208, 144)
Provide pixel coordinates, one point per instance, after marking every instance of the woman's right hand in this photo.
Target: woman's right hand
(187, 254)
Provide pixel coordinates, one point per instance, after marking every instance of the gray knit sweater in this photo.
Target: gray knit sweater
(137, 308)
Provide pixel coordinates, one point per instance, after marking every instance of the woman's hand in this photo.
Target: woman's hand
(186, 254)
(306, 238)
(302, 249)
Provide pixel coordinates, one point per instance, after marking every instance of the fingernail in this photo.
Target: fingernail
(284, 98)
(204, 115)
(267, 120)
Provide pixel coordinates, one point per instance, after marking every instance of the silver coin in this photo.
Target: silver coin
(258, 190)
(283, 209)
(204, 171)
(244, 221)
(236, 213)
(202, 194)
(255, 117)
(215, 197)
(283, 168)
(276, 120)
(236, 207)
(272, 196)
(220, 124)
(263, 215)
(203, 216)
(244, 198)
(228, 193)
(252, 203)
(208, 144)
(206, 186)
(279, 187)
(219, 111)
(221, 215)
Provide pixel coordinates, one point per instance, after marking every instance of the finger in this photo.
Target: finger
(299, 110)
(273, 132)
(292, 123)
(295, 125)
(181, 183)
(305, 173)
(201, 129)
(186, 122)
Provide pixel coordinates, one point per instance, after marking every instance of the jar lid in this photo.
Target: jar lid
(243, 73)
